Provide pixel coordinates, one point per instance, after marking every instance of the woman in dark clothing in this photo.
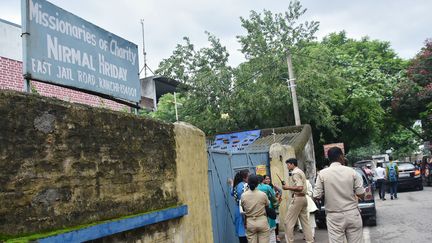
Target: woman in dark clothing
(238, 187)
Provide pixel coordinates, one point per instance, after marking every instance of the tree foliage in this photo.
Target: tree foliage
(363, 153)
(166, 108)
(345, 86)
(413, 97)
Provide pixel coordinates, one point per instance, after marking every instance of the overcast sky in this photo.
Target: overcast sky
(404, 23)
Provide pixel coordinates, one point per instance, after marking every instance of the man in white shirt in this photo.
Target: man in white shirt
(381, 181)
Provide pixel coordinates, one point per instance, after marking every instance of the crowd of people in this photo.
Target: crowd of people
(258, 200)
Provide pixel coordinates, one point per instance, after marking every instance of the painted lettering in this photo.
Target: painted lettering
(124, 53)
(116, 87)
(86, 78)
(67, 54)
(111, 70)
(39, 66)
(64, 73)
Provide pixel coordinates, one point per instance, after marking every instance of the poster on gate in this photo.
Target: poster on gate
(261, 170)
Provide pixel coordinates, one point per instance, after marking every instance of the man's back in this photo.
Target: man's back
(254, 202)
(392, 171)
(380, 172)
(339, 184)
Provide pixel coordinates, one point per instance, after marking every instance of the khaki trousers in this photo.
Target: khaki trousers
(298, 210)
(257, 230)
(345, 224)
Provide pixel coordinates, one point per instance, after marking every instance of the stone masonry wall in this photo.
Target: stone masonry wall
(64, 164)
(192, 189)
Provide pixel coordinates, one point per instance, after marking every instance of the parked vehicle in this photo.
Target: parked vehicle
(367, 206)
(366, 163)
(409, 176)
(369, 167)
(381, 158)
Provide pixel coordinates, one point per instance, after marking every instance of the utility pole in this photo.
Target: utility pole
(144, 52)
(175, 106)
(292, 86)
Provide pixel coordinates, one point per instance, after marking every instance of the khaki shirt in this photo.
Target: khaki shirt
(298, 178)
(254, 202)
(339, 184)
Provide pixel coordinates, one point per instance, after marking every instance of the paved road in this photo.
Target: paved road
(406, 220)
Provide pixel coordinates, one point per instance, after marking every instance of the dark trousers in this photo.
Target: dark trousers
(243, 239)
(382, 187)
(393, 188)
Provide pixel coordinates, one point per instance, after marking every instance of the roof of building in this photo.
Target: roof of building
(9, 23)
(162, 85)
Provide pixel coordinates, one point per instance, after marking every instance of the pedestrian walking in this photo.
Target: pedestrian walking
(239, 186)
(381, 181)
(298, 207)
(392, 172)
(254, 202)
(341, 186)
(271, 196)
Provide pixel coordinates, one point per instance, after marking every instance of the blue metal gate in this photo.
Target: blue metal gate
(222, 166)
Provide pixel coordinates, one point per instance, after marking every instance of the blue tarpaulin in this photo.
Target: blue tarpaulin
(235, 141)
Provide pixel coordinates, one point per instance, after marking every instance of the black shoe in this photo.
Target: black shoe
(384, 199)
(391, 197)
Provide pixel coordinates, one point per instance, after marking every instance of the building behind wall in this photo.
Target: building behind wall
(152, 88)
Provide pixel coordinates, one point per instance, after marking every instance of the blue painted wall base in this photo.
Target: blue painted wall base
(114, 227)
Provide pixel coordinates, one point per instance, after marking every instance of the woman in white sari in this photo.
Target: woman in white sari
(312, 208)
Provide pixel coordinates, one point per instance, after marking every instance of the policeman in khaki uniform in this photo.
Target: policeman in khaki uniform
(341, 186)
(298, 207)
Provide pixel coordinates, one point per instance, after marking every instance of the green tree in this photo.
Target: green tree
(261, 95)
(345, 86)
(207, 80)
(413, 98)
(166, 108)
(220, 98)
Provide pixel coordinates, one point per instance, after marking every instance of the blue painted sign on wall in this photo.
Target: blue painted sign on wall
(62, 48)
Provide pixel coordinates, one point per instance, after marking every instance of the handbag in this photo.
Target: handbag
(311, 206)
(271, 213)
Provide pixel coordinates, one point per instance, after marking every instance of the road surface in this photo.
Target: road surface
(405, 220)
